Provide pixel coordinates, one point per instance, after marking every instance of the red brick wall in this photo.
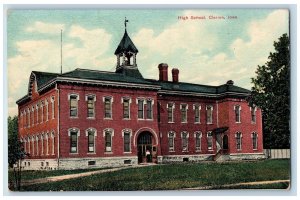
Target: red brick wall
(99, 123)
(246, 127)
(191, 127)
(41, 127)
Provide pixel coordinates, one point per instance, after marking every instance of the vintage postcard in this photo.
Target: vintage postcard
(148, 99)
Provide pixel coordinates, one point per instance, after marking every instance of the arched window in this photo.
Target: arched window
(254, 140)
(171, 137)
(91, 133)
(237, 110)
(108, 133)
(53, 142)
(209, 140)
(74, 133)
(238, 137)
(185, 141)
(127, 138)
(198, 136)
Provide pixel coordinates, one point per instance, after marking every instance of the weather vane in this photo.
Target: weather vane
(126, 20)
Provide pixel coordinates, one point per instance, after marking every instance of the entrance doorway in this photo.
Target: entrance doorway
(146, 151)
(225, 142)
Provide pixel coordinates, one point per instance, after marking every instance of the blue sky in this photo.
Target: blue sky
(205, 51)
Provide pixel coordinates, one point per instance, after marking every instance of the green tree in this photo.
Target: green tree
(15, 152)
(271, 92)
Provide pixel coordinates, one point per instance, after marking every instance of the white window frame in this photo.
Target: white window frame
(212, 111)
(52, 107)
(212, 140)
(123, 136)
(197, 107)
(94, 105)
(111, 108)
(143, 111)
(107, 149)
(173, 141)
(256, 141)
(37, 144)
(239, 113)
(172, 109)
(236, 141)
(74, 129)
(53, 143)
(47, 110)
(87, 135)
(129, 105)
(69, 100)
(185, 149)
(198, 149)
(186, 111)
(253, 109)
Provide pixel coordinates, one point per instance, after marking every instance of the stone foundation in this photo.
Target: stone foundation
(247, 156)
(83, 163)
(186, 158)
(39, 164)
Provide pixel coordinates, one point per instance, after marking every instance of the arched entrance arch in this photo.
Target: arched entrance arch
(146, 147)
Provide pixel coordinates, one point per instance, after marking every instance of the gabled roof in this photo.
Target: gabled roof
(126, 45)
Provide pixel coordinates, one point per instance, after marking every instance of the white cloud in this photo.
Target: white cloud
(47, 28)
(44, 55)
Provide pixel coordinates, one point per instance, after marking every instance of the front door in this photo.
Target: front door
(225, 142)
(144, 144)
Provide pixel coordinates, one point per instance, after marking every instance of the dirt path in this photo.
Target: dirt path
(237, 184)
(71, 176)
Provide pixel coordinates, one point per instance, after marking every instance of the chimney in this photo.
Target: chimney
(175, 75)
(163, 71)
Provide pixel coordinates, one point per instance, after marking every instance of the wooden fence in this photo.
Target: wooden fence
(277, 153)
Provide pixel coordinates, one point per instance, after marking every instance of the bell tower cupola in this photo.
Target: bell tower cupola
(126, 51)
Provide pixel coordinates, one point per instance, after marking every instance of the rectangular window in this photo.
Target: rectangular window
(197, 114)
(73, 142)
(149, 109)
(254, 141)
(209, 141)
(140, 109)
(108, 141)
(171, 141)
(47, 111)
(52, 107)
(91, 141)
(107, 107)
(253, 114)
(185, 141)
(209, 110)
(170, 112)
(126, 109)
(237, 110)
(73, 106)
(238, 138)
(90, 106)
(198, 141)
(126, 142)
(183, 113)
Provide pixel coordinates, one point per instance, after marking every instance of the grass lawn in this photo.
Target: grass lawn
(176, 176)
(29, 175)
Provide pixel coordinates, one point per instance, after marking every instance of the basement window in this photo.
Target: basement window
(92, 162)
(127, 162)
(185, 159)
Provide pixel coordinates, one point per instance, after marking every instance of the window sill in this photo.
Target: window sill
(238, 122)
(106, 118)
(108, 152)
(184, 122)
(197, 151)
(126, 119)
(210, 150)
(209, 123)
(253, 122)
(171, 122)
(91, 118)
(73, 153)
(149, 119)
(73, 117)
(197, 123)
(91, 153)
(171, 151)
(127, 152)
(140, 119)
(185, 151)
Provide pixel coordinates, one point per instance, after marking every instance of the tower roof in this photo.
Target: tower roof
(126, 45)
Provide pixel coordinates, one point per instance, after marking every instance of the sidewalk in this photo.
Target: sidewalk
(236, 184)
